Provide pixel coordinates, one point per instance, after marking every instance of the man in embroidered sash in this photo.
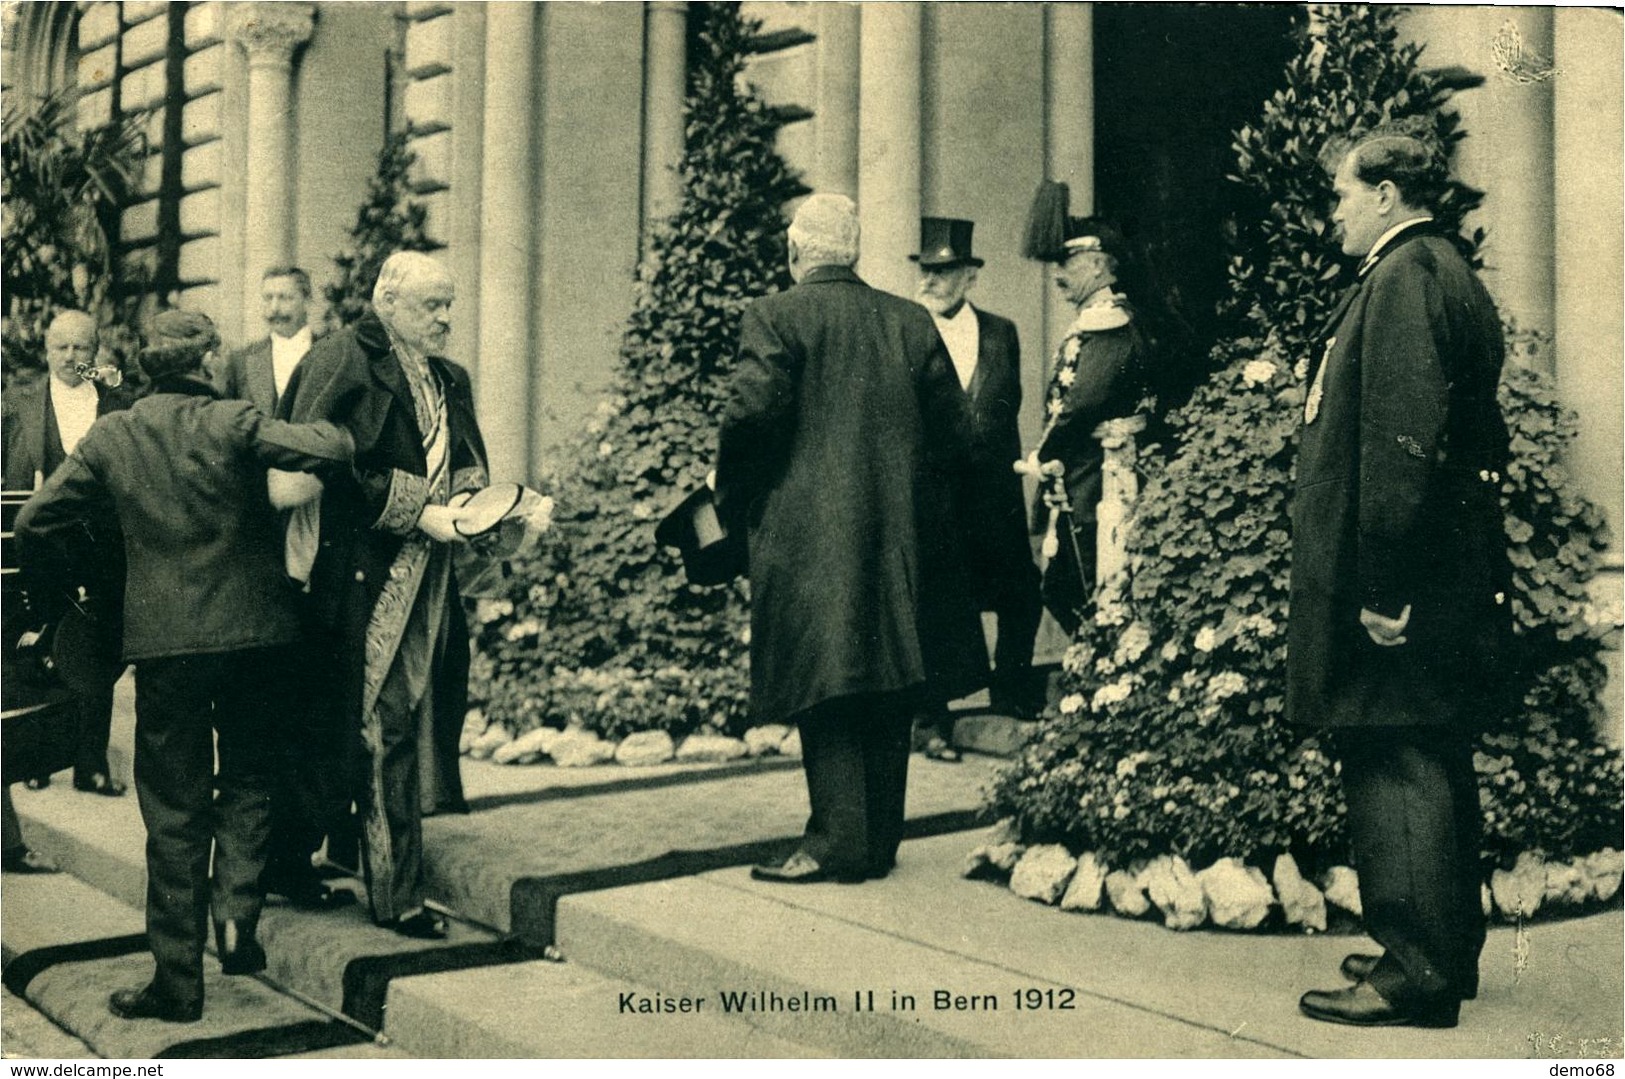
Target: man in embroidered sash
(382, 580)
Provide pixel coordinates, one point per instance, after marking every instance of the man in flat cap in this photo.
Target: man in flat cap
(43, 423)
(1100, 372)
(208, 615)
(382, 580)
(998, 558)
(842, 396)
(1400, 579)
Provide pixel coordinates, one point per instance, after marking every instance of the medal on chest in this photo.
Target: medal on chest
(1317, 389)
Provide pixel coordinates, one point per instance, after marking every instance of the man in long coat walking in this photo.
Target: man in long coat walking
(842, 398)
(1399, 600)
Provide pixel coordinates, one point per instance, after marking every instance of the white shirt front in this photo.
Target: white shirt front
(75, 408)
(963, 336)
(286, 352)
(1382, 241)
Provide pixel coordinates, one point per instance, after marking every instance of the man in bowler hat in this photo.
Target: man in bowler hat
(841, 397)
(1399, 587)
(208, 616)
(998, 558)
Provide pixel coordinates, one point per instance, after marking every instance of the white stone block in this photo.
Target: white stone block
(1301, 902)
(1088, 885)
(200, 119)
(710, 747)
(201, 166)
(200, 260)
(145, 43)
(791, 746)
(1342, 888)
(98, 26)
(140, 222)
(152, 174)
(140, 11)
(579, 749)
(143, 87)
(205, 70)
(644, 748)
(432, 168)
(429, 103)
(474, 724)
(96, 69)
(993, 859)
(1238, 896)
(1605, 870)
(495, 736)
(1520, 891)
(429, 46)
(1170, 884)
(95, 110)
(205, 24)
(766, 739)
(200, 213)
(1043, 872)
(1126, 893)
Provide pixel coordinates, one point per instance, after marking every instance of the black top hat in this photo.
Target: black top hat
(711, 553)
(945, 241)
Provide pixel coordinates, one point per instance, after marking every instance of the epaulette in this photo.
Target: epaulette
(1101, 316)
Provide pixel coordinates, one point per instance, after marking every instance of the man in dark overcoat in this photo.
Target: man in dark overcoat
(310, 796)
(381, 578)
(986, 355)
(208, 615)
(1399, 604)
(43, 422)
(841, 396)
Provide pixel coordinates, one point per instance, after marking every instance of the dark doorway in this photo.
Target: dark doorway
(1172, 82)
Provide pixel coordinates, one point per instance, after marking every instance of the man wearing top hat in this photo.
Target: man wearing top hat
(986, 355)
(208, 616)
(1100, 372)
(43, 423)
(841, 397)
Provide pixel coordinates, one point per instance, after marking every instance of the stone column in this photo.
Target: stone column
(665, 81)
(268, 33)
(1069, 108)
(835, 161)
(508, 213)
(467, 176)
(889, 144)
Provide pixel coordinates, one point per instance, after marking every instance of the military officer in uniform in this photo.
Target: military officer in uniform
(1399, 577)
(1100, 372)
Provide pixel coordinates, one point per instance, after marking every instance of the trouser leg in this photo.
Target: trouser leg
(11, 829)
(245, 716)
(837, 835)
(394, 828)
(1411, 831)
(308, 787)
(885, 737)
(95, 728)
(1018, 607)
(174, 766)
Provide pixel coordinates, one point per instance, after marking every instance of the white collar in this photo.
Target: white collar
(61, 391)
(1382, 241)
(966, 313)
(300, 339)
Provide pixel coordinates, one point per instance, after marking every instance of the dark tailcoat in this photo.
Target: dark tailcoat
(1398, 498)
(353, 378)
(994, 518)
(843, 400)
(247, 375)
(32, 444)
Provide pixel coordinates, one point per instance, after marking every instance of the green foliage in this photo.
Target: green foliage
(61, 190)
(602, 629)
(1170, 735)
(388, 221)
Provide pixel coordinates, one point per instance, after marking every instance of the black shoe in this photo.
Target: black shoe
(24, 860)
(802, 868)
(148, 1003)
(239, 952)
(938, 749)
(1362, 1006)
(1357, 967)
(424, 925)
(99, 783)
(312, 894)
(1014, 708)
(37, 783)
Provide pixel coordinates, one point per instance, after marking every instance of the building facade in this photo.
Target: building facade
(546, 136)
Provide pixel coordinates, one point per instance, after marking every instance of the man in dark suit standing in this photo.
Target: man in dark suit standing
(841, 396)
(1399, 602)
(208, 614)
(309, 798)
(260, 372)
(43, 423)
(986, 355)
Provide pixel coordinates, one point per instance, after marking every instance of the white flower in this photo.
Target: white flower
(605, 449)
(1077, 658)
(1300, 370)
(1054, 407)
(1174, 695)
(1170, 651)
(1260, 624)
(1207, 639)
(1067, 376)
(1257, 371)
(1111, 614)
(1115, 693)
(1132, 645)
(520, 630)
(1071, 703)
(1072, 347)
(1226, 684)
(1130, 764)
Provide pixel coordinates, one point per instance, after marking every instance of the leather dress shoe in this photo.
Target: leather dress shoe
(424, 925)
(1357, 967)
(802, 868)
(25, 860)
(37, 783)
(148, 1003)
(1362, 1006)
(239, 952)
(99, 783)
(312, 894)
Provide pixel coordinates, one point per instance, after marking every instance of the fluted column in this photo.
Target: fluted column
(665, 81)
(467, 177)
(269, 33)
(835, 164)
(507, 221)
(1069, 112)
(889, 144)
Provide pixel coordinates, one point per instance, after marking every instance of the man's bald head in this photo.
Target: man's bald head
(70, 341)
(413, 298)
